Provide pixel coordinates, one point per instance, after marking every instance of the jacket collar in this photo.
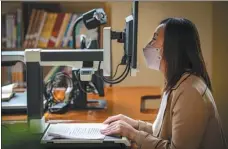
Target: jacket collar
(181, 80)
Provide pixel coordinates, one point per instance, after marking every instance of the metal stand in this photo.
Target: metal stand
(80, 100)
(80, 87)
(34, 75)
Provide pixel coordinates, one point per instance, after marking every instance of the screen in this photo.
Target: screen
(131, 35)
(135, 34)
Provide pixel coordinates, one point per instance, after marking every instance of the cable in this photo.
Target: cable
(59, 79)
(80, 83)
(119, 79)
(123, 77)
(100, 75)
(127, 65)
(116, 70)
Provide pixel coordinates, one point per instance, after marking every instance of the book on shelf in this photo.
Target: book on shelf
(31, 20)
(12, 39)
(40, 27)
(12, 29)
(19, 29)
(68, 32)
(17, 74)
(62, 29)
(34, 28)
(52, 30)
(56, 30)
(5, 77)
(67, 29)
(13, 74)
(47, 30)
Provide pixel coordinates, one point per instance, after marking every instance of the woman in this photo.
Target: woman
(188, 117)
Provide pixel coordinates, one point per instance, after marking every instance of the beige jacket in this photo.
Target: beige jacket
(187, 119)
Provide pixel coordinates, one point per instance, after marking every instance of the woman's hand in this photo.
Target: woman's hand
(120, 128)
(128, 120)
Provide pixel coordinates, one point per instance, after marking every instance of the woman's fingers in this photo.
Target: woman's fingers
(111, 119)
(114, 128)
(113, 131)
(110, 126)
(120, 128)
(108, 129)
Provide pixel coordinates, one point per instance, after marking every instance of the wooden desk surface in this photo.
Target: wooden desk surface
(121, 100)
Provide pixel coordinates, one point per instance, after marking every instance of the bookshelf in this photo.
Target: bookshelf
(18, 36)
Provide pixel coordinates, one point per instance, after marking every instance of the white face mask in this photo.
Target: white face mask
(152, 57)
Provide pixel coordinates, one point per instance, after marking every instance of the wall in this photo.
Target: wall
(150, 14)
(220, 61)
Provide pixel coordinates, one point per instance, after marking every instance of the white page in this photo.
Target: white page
(6, 96)
(7, 91)
(77, 130)
(8, 88)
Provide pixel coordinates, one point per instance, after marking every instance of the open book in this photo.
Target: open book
(8, 91)
(76, 130)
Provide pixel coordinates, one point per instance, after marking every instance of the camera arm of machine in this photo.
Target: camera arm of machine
(75, 57)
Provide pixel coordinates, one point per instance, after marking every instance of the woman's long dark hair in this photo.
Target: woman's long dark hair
(182, 51)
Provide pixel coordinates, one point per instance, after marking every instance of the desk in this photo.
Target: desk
(121, 100)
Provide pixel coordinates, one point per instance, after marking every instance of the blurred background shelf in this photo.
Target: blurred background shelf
(42, 24)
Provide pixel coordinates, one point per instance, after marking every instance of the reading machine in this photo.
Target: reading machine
(85, 62)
